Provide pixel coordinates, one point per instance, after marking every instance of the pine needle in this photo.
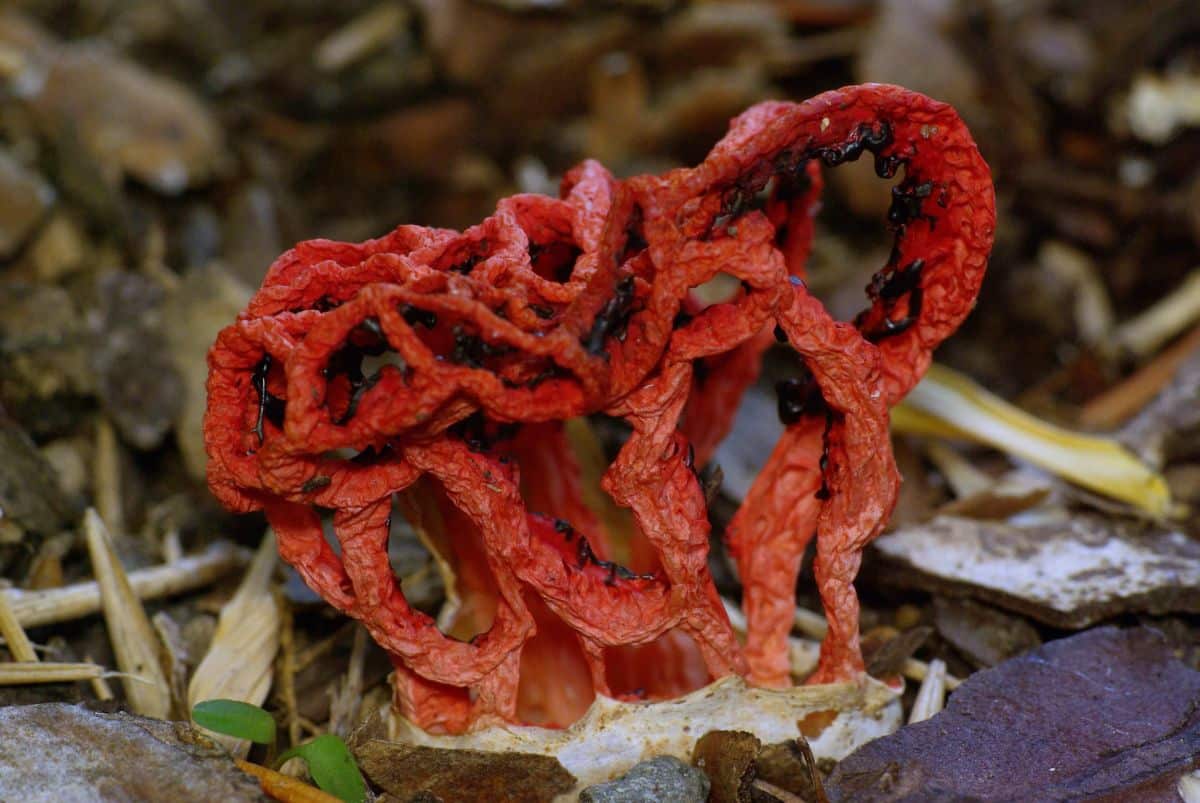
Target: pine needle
(21, 673)
(133, 640)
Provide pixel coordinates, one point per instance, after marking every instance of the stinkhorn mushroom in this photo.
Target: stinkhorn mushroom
(432, 372)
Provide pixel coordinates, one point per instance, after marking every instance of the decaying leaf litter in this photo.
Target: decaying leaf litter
(134, 244)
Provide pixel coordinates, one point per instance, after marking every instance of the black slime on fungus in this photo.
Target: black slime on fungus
(613, 317)
(270, 407)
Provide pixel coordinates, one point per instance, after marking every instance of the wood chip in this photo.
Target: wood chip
(727, 758)
(962, 475)
(174, 661)
(780, 794)
(412, 772)
(789, 768)
(362, 36)
(133, 640)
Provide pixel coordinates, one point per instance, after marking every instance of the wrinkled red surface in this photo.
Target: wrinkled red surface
(358, 370)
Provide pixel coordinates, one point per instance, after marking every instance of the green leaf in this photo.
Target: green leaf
(234, 718)
(331, 766)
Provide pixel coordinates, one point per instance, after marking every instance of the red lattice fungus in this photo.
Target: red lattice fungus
(434, 372)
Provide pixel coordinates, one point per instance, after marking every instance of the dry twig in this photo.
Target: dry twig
(21, 673)
(1119, 403)
(36, 608)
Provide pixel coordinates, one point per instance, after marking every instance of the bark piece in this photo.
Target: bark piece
(789, 766)
(727, 758)
(1065, 572)
(984, 635)
(408, 771)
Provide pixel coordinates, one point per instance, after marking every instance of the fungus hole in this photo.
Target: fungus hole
(554, 261)
(357, 367)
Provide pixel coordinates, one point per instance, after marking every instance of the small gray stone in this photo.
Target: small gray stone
(664, 779)
(57, 752)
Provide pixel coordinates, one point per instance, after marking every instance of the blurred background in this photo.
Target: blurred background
(157, 155)
(168, 140)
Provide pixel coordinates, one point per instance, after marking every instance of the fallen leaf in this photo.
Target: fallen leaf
(241, 656)
(949, 404)
(1108, 714)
